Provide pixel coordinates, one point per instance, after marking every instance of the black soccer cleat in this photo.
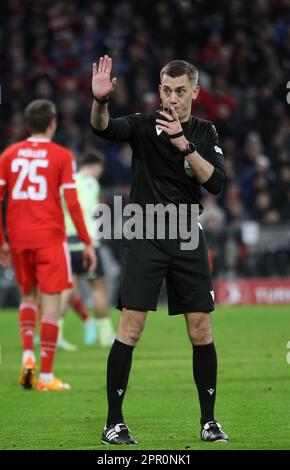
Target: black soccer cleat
(117, 434)
(213, 432)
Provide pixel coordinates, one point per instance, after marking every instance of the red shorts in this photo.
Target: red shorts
(49, 268)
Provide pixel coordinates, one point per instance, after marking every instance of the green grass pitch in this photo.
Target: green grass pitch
(161, 405)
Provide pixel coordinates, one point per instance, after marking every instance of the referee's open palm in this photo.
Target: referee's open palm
(102, 85)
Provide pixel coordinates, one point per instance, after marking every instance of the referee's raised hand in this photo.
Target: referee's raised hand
(102, 84)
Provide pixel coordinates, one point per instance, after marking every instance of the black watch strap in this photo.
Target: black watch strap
(189, 149)
(103, 100)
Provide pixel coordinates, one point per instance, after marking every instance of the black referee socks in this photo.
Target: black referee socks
(118, 370)
(119, 366)
(205, 375)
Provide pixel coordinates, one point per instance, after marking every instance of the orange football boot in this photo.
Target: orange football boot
(27, 373)
(54, 385)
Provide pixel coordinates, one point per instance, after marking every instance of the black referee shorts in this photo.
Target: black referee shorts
(147, 263)
(78, 268)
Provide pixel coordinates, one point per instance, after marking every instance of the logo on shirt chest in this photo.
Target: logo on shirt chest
(158, 131)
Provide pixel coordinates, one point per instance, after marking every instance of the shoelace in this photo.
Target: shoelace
(120, 427)
(124, 429)
(212, 425)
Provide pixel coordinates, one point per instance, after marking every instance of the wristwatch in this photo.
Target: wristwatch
(190, 148)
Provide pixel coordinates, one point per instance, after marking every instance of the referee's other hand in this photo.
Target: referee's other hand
(89, 258)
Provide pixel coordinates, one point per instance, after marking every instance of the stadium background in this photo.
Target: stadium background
(242, 50)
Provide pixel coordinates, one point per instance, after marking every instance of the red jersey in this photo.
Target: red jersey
(33, 171)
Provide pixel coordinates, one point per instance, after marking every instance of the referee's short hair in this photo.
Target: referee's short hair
(91, 158)
(38, 115)
(176, 68)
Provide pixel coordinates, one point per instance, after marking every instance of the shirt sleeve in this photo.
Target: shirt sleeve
(122, 129)
(74, 208)
(214, 155)
(68, 170)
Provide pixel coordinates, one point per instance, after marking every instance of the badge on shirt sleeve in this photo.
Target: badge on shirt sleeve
(218, 149)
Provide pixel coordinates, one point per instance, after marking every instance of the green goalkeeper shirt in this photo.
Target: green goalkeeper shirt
(88, 190)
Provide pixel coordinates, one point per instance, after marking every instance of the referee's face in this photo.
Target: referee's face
(179, 93)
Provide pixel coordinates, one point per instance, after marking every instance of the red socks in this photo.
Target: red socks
(27, 323)
(48, 334)
(48, 339)
(78, 305)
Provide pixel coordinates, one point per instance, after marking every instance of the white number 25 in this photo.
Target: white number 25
(28, 169)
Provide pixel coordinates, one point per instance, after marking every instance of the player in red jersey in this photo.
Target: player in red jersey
(32, 173)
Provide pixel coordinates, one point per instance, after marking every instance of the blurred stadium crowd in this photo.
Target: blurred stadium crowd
(242, 50)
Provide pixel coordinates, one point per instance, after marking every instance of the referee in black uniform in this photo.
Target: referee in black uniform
(174, 154)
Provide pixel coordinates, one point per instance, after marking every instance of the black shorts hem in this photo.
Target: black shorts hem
(140, 309)
(192, 310)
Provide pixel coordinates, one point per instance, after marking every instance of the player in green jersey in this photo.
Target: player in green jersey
(88, 189)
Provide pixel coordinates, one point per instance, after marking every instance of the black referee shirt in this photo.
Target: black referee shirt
(158, 167)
